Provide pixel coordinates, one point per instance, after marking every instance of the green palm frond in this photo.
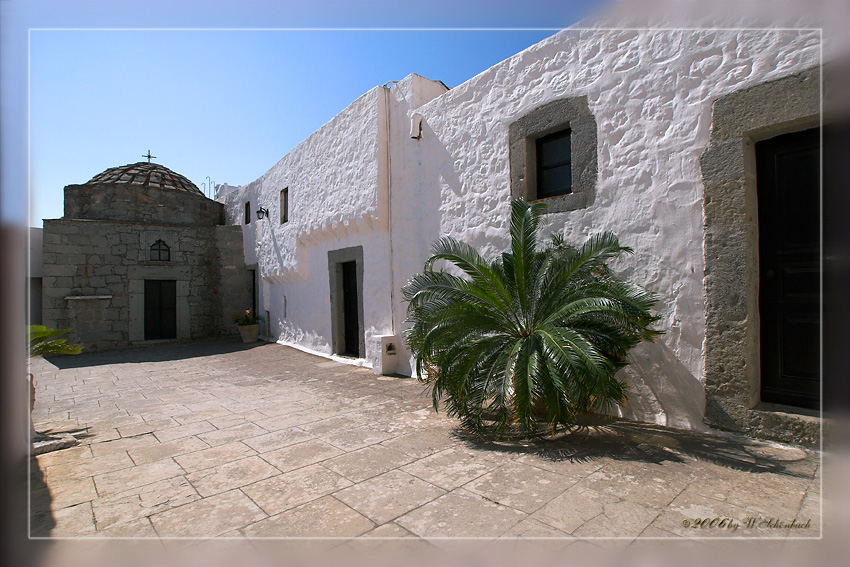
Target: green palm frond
(43, 341)
(530, 339)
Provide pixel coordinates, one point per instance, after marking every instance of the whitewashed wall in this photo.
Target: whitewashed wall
(336, 181)
(651, 94)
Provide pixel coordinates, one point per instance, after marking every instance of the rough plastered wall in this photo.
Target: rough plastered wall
(332, 179)
(336, 182)
(651, 93)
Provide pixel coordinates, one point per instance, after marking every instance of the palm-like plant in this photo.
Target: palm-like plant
(530, 339)
(43, 341)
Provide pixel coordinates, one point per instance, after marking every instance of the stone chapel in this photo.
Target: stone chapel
(142, 256)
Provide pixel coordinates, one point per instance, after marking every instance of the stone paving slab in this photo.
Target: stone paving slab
(221, 439)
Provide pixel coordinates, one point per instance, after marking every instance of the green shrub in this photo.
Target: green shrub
(43, 340)
(526, 342)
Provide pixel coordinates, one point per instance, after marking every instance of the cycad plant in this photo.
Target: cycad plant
(42, 341)
(524, 343)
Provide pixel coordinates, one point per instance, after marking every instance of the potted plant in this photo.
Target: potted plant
(248, 325)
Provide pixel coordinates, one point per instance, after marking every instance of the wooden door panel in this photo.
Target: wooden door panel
(788, 173)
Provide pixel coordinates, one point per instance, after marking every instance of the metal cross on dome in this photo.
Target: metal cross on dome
(149, 156)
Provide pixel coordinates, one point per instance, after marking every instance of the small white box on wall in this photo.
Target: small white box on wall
(389, 354)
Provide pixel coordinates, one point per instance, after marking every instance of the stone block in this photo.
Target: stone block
(57, 270)
(61, 227)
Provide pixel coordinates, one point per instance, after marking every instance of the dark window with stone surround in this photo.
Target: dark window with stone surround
(284, 205)
(553, 155)
(247, 213)
(160, 252)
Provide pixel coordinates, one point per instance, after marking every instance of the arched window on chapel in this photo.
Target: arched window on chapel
(160, 251)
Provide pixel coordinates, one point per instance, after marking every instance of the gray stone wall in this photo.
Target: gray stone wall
(235, 287)
(104, 264)
(133, 203)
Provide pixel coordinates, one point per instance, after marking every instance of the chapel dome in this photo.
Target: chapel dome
(145, 174)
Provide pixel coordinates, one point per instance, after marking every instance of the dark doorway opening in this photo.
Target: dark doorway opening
(788, 177)
(254, 288)
(35, 301)
(160, 309)
(351, 324)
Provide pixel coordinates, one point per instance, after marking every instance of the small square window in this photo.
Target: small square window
(554, 165)
(248, 213)
(284, 205)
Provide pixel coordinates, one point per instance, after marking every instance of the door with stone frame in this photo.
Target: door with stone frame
(345, 276)
(788, 185)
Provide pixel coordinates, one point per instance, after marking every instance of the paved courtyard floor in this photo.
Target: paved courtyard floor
(220, 439)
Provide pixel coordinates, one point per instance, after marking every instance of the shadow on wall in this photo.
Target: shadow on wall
(417, 218)
(663, 390)
(422, 223)
(272, 235)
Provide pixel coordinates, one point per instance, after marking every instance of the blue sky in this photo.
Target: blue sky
(222, 103)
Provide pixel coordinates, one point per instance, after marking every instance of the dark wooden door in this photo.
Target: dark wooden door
(788, 170)
(836, 267)
(160, 309)
(350, 309)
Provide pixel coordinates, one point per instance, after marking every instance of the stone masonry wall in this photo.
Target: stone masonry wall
(101, 258)
(234, 280)
(133, 203)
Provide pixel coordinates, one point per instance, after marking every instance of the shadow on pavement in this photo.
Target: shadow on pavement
(41, 518)
(156, 353)
(640, 442)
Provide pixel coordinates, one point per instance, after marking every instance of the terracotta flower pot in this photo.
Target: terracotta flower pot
(250, 333)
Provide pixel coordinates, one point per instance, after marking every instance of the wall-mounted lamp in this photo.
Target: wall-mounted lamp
(262, 213)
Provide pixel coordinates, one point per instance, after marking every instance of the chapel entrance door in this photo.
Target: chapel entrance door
(351, 324)
(788, 174)
(160, 309)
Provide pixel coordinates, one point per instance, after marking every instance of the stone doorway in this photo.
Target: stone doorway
(160, 309)
(733, 273)
(345, 273)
